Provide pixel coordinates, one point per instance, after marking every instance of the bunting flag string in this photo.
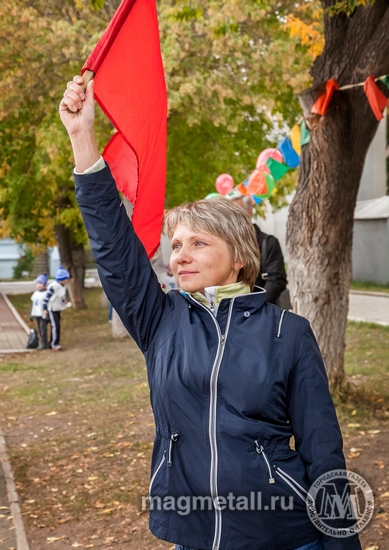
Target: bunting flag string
(317, 99)
(273, 164)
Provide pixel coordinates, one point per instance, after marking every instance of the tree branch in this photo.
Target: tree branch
(356, 41)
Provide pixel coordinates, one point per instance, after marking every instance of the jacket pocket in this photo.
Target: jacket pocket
(157, 471)
(296, 487)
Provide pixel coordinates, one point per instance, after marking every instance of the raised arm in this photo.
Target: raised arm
(124, 268)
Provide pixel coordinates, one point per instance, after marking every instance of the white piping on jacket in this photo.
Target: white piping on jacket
(212, 420)
(280, 323)
(212, 416)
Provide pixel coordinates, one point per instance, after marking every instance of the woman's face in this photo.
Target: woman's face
(200, 260)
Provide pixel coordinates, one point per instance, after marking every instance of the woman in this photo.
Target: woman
(232, 378)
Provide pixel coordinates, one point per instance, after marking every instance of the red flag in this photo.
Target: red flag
(376, 98)
(130, 88)
(320, 106)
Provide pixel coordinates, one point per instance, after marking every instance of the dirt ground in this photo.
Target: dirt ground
(368, 455)
(80, 429)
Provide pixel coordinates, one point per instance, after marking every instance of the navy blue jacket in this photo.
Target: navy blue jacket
(227, 395)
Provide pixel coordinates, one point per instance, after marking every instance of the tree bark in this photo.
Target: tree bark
(118, 329)
(321, 216)
(72, 260)
(78, 257)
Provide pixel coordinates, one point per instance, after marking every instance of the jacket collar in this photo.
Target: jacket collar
(243, 297)
(215, 294)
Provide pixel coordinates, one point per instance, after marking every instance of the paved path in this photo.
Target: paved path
(13, 330)
(372, 307)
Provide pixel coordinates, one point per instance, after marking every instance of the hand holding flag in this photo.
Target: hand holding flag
(77, 111)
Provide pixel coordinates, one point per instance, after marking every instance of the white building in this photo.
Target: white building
(10, 252)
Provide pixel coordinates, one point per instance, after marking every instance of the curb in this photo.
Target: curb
(359, 320)
(13, 498)
(370, 293)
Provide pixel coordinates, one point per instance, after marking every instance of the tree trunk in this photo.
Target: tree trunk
(72, 264)
(118, 329)
(321, 216)
(78, 257)
(41, 264)
(104, 302)
(319, 234)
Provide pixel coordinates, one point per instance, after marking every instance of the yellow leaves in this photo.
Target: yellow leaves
(51, 540)
(309, 35)
(99, 505)
(64, 520)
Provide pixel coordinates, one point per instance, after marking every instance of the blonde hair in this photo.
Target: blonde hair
(222, 218)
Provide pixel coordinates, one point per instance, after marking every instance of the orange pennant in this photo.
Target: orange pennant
(320, 106)
(376, 98)
(257, 184)
(242, 189)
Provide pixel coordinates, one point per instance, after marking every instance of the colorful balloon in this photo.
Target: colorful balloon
(212, 195)
(266, 154)
(224, 184)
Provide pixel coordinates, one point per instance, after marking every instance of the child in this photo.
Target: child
(54, 302)
(37, 310)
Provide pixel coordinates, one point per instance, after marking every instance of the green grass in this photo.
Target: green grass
(363, 402)
(369, 286)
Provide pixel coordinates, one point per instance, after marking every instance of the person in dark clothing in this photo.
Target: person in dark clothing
(272, 274)
(232, 377)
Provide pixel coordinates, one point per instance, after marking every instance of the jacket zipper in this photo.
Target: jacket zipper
(297, 488)
(173, 439)
(260, 450)
(212, 422)
(156, 471)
